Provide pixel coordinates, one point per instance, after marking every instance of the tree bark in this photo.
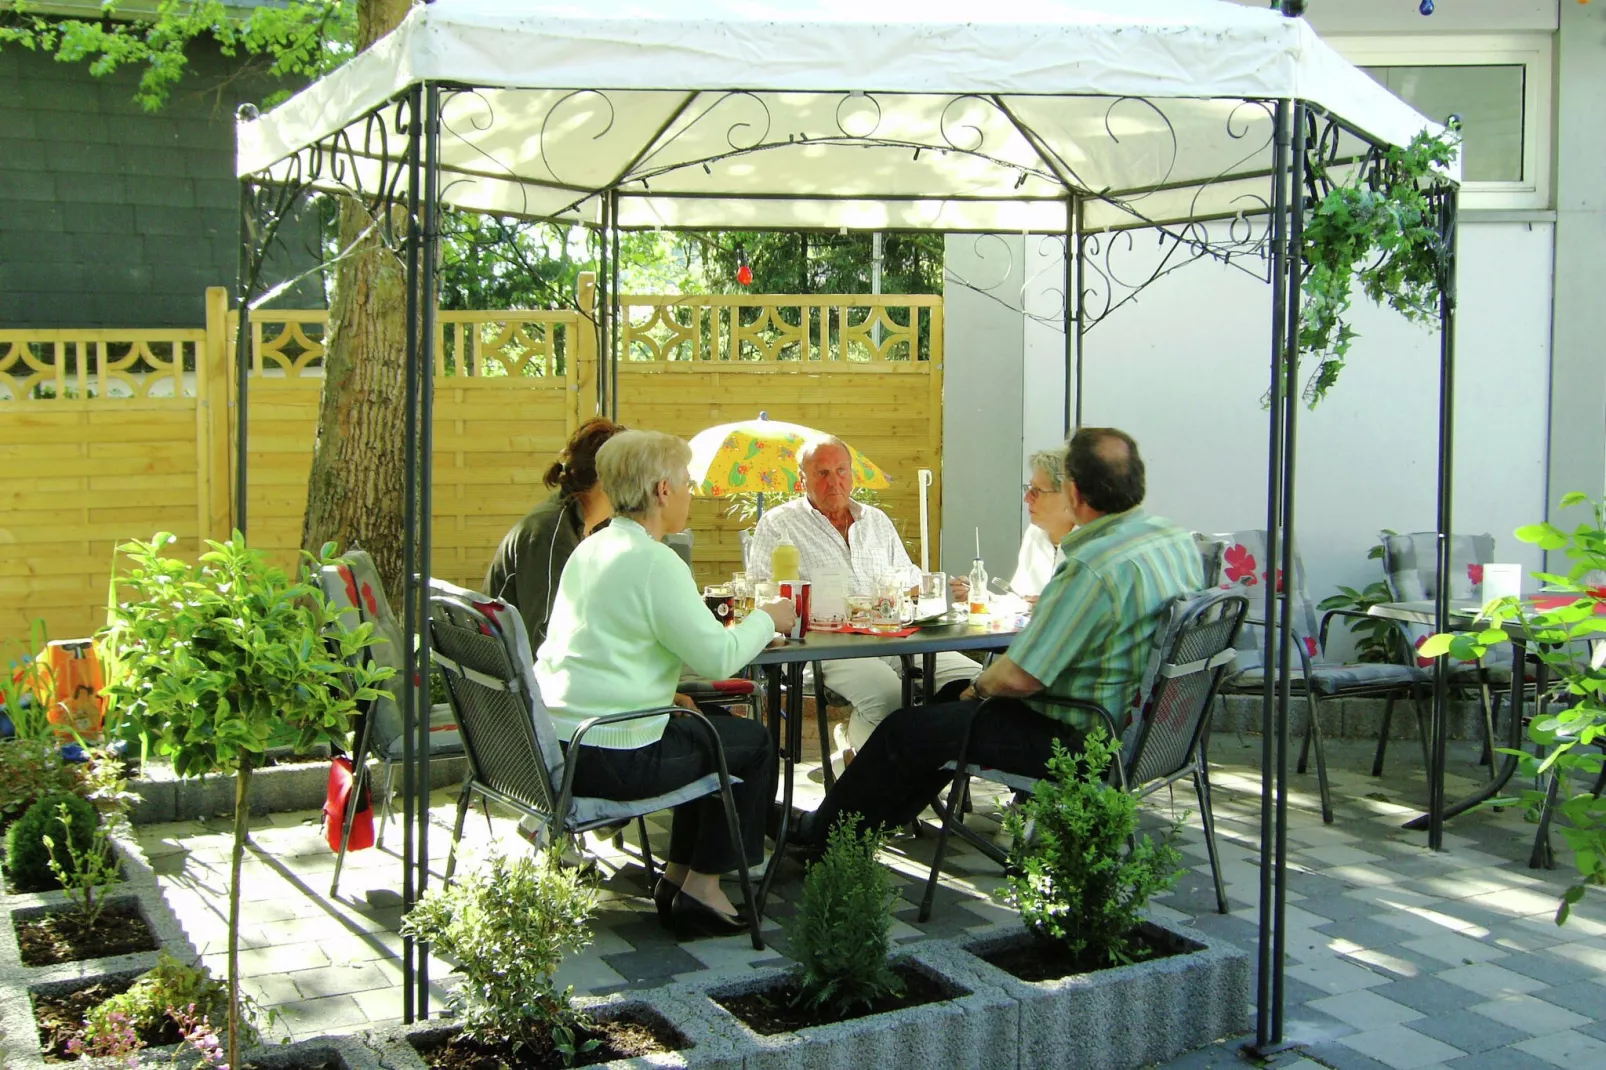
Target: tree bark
(242, 818)
(355, 490)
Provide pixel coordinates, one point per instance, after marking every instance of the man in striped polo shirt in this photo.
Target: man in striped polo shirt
(1090, 638)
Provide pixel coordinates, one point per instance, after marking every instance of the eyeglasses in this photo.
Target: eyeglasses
(1032, 490)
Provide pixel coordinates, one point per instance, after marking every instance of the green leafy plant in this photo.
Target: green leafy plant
(1377, 639)
(25, 685)
(1569, 737)
(843, 929)
(568, 1047)
(211, 659)
(170, 986)
(1377, 232)
(82, 872)
(1080, 886)
(28, 856)
(508, 925)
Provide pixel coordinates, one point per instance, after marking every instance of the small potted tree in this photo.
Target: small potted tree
(211, 658)
(1100, 986)
(852, 994)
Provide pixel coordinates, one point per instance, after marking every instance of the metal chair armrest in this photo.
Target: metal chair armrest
(1094, 708)
(571, 759)
(1327, 618)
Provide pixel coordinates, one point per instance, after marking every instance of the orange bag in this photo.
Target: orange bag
(77, 707)
(334, 809)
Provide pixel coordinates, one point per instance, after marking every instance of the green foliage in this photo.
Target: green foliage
(1568, 738)
(172, 984)
(25, 686)
(1377, 639)
(843, 929)
(27, 856)
(1079, 885)
(83, 873)
(213, 657)
(1378, 231)
(33, 768)
(570, 1049)
(296, 38)
(508, 926)
(800, 262)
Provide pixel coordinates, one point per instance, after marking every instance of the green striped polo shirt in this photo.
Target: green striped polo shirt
(1095, 624)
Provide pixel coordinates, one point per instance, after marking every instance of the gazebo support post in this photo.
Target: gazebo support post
(1447, 204)
(409, 539)
(601, 309)
(1075, 254)
(1273, 705)
(615, 308)
(245, 291)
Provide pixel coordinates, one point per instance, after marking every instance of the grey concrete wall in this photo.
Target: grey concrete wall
(111, 216)
(1577, 446)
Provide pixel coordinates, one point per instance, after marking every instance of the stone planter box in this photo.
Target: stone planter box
(164, 797)
(712, 1046)
(19, 1044)
(1126, 1017)
(977, 1028)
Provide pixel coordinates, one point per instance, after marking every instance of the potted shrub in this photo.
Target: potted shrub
(210, 660)
(508, 925)
(1101, 987)
(850, 994)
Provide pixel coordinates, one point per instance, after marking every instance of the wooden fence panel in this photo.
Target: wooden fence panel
(111, 435)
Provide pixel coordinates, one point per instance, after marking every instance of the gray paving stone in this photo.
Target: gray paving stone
(1429, 995)
(1581, 997)
(1468, 1031)
(658, 962)
(1499, 1059)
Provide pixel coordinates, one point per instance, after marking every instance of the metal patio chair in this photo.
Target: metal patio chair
(353, 589)
(1166, 741)
(1317, 679)
(514, 756)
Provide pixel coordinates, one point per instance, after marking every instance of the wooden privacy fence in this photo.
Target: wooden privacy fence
(111, 435)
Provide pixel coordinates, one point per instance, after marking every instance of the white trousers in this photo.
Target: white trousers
(874, 687)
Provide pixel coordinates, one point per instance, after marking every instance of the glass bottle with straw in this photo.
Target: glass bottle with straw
(978, 580)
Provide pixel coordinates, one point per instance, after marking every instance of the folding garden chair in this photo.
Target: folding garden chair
(1410, 564)
(513, 752)
(1318, 679)
(1166, 739)
(351, 585)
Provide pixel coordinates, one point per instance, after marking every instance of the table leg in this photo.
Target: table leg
(928, 671)
(1508, 764)
(787, 766)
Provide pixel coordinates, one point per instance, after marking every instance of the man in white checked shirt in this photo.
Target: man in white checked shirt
(834, 532)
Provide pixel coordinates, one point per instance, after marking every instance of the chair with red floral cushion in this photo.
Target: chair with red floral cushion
(1411, 568)
(1318, 679)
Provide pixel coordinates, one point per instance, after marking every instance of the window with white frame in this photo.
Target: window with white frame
(1500, 89)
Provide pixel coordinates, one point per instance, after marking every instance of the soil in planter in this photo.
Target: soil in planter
(623, 1037)
(773, 1011)
(58, 936)
(1043, 960)
(61, 1018)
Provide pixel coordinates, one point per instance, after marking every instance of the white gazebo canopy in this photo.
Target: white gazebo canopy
(897, 114)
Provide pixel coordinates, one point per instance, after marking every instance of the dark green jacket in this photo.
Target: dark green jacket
(530, 560)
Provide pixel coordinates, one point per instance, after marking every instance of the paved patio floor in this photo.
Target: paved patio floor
(1396, 957)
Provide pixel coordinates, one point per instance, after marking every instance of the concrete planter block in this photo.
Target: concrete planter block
(164, 797)
(977, 1027)
(1129, 1016)
(711, 1046)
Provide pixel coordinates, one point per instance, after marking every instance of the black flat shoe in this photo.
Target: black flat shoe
(663, 897)
(694, 918)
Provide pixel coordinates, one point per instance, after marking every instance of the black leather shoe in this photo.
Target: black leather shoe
(663, 897)
(694, 918)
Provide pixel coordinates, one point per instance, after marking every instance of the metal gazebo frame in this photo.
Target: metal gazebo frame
(1305, 148)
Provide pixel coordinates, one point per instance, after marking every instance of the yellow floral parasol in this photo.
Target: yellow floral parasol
(760, 457)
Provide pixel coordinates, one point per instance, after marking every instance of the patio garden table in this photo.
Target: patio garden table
(788, 660)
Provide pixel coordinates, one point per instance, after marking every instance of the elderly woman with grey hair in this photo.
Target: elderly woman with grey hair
(1051, 522)
(626, 615)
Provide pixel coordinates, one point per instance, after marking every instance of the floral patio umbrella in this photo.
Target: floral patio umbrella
(760, 457)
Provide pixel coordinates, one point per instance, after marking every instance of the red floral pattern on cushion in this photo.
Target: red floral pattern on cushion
(368, 600)
(1475, 575)
(1240, 565)
(350, 581)
(1422, 663)
(1310, 646)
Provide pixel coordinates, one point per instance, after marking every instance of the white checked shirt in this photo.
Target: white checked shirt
(872, 547)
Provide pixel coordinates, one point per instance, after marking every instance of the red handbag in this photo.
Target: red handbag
(334, 809)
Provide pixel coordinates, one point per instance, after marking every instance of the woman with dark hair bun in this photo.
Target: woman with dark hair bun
(531, 556)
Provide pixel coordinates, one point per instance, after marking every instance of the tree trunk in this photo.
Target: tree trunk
(355, 491)
(242, 817)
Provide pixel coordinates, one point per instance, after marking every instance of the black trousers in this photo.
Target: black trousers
(900, 770)
(699, 836)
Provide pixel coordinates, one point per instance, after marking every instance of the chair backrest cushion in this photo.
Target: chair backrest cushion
(1244, 565)
(352, 586)
(1410, 563)
(1191, 656)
